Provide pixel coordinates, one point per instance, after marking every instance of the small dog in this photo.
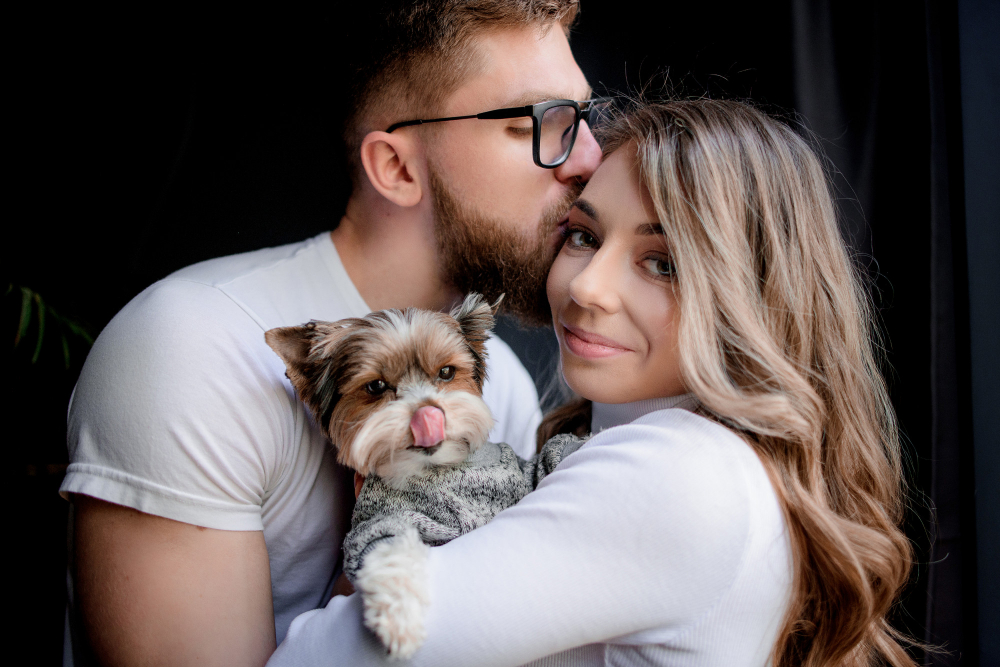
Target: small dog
(399, 393)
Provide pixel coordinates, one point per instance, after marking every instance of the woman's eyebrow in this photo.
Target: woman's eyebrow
(587, 209)
(649, 229)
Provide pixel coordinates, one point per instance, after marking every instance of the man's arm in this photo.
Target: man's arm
(153, 591)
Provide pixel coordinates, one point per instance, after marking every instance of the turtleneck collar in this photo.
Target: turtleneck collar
(606, 415)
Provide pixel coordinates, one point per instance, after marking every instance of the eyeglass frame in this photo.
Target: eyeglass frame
(535, 112)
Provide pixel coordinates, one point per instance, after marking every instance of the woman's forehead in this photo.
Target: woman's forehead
(615, 195)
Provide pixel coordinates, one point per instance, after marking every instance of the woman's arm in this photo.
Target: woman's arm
(641, 529)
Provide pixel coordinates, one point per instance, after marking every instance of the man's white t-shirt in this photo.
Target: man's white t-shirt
(183, 411)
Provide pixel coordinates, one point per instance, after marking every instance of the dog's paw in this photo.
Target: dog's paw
(393, 585)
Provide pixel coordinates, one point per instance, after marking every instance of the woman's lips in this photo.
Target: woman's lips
(589, 345)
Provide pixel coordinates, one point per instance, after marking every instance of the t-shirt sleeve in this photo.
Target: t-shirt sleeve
(180, 410)
(643, 528)
(510, 394)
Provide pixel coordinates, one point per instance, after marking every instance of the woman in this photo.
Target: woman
(740, 499)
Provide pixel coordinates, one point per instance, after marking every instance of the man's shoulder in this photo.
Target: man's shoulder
(211, 314)
(222, 271)
(271, 287)
(173, 336)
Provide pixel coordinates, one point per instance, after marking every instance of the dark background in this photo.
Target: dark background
(144, 140)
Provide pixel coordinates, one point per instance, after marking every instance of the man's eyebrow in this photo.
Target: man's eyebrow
(535, 97)
(587, 209)
(649, 229)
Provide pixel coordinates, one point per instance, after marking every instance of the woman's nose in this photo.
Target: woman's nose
(597, 285)
(583, 160)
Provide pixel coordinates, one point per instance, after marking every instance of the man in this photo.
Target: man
(209, 511)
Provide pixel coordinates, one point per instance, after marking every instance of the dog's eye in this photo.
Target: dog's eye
(376, 387)
(447, 373)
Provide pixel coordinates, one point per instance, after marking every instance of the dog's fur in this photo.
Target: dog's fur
(413, 495)
(394, 585)
(334, 366)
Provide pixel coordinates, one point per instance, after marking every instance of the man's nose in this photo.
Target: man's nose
(583, 160)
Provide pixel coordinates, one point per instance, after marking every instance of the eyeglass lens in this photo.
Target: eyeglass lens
(556, 136)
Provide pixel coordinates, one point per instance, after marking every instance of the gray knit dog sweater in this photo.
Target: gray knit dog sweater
(449, 501)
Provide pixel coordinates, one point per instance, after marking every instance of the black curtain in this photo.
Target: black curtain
(145, 140)
(880, 82)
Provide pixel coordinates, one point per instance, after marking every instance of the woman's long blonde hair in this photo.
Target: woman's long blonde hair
(776, 340)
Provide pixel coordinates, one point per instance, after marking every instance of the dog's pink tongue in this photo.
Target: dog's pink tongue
(427, 425)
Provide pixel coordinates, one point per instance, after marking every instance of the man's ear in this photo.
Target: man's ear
(307, 351)
(475, 319)
(391, 162)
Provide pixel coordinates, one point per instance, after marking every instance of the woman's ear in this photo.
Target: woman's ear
(391, 162)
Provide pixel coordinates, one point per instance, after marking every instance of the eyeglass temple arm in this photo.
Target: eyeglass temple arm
(411, 123)
(513, 112)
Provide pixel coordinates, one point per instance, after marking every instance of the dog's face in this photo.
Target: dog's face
(396, 391)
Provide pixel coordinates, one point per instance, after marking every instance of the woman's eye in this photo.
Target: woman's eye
(447, 373)
(660, 267)
(581, 239)
(376, 387)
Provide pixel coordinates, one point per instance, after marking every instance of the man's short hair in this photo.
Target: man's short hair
(404, 58)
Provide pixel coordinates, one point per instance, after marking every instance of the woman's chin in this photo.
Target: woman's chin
(593, 385)
(616, 383)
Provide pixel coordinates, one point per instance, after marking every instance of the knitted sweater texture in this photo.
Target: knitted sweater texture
(448, 501)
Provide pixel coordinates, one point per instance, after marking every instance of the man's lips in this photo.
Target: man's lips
(590, 345)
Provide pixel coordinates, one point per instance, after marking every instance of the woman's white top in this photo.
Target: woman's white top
(659, 542)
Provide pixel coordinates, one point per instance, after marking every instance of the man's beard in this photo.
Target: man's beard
(482, 254)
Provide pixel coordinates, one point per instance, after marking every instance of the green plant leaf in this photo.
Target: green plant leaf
(31, 300)
(41, 327)
(22, 325)
(65, 345)
(79, 331)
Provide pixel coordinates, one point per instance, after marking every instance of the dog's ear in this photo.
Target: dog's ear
(308, 352)
(475, 319)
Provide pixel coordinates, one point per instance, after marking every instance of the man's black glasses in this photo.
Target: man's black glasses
(554, 125)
